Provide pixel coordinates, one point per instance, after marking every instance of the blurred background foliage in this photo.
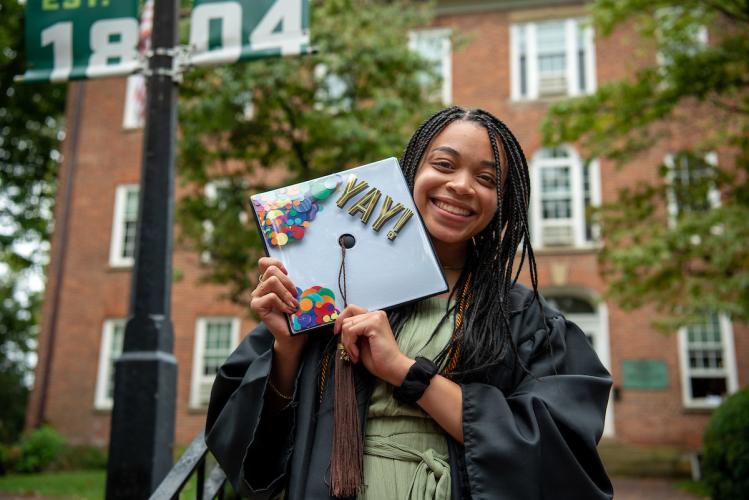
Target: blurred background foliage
(30, 139)
(678, 243)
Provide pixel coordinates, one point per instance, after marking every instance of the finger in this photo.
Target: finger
(274, 285)
(349, 344)
(265, 262)
(285, 280)
(366, 325)
(269, 302)
(350, 310)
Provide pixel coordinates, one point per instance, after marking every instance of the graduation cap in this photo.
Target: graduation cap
(349, 237)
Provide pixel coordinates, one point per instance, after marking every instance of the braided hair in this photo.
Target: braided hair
(482, 333)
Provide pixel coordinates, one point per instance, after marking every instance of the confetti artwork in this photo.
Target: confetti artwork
(316, 307)
(286, 213)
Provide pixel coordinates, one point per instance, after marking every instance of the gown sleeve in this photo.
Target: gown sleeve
(536, 437)
(252, 447)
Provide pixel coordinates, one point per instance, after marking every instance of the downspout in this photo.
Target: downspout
(61, 253)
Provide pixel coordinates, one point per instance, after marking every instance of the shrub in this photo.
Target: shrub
(37, 450)
(726, 449)
(80, 458)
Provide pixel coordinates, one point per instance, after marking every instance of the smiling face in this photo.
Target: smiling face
(455, 187)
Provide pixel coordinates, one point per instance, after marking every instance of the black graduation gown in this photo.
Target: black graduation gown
(526, 436)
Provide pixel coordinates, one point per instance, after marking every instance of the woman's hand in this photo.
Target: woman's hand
(367, 337)
(274, 296)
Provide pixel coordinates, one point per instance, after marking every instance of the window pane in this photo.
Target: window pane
(581, 48)
(571, 305)
(587, 202)
(217, 345)
(691, 183)
(552, 58)
(705, 387)
(553, 153)
(556, 193)
(131, 204)
(115, 350)
(128, 239)
(705, 354)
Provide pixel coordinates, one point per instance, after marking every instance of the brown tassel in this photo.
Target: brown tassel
(347, 455)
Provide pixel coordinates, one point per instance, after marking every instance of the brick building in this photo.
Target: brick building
(528, 53)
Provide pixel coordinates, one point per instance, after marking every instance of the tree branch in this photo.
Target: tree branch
(736, 16)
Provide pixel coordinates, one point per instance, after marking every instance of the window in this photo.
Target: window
(434, 46)
(215, 339)
(592, 318)
(112, 337)
(552, 59)
(708, 363)
(564, 189)
(124, 226)
(691, 183)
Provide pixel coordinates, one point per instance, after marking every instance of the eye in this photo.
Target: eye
(488, 179)
(442, 164)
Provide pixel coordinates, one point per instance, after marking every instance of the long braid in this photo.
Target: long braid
(482, 334)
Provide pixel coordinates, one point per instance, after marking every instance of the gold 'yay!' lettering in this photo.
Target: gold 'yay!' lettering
(366, 206)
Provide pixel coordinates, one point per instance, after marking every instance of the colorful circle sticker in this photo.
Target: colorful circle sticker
(316, 307)
(286, 213)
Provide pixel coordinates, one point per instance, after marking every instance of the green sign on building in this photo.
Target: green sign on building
(645, 374)
(76, 39)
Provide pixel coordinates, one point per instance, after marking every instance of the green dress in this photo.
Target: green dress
(405, 451)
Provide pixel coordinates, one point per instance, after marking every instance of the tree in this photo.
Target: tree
(355, 100)
(693, 258)
(30, 131)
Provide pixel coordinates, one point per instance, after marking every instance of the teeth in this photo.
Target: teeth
(452, 208)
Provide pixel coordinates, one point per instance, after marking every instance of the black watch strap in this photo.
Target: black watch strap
(416, 382)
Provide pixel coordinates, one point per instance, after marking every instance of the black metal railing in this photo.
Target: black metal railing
(192, 461)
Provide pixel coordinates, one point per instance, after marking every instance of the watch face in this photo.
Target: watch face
(355, 234)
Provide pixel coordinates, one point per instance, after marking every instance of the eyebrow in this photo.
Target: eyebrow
(453, 152)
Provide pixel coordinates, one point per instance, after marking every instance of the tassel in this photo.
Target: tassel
(347, 454)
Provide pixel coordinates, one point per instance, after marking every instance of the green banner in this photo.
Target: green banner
(75, 39)
(226, 31)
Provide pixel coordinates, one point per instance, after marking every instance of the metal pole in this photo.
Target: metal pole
(142, 432)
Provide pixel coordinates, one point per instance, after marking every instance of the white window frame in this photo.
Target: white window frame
(572, 74)
(713, 196)
(597, 326)
(577, 220)
(447, 60)
(118, 227)
(102, 401)
(729, 365)
(198, 379)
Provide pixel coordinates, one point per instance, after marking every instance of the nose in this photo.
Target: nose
(461, 183)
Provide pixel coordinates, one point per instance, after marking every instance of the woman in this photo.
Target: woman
(518, 404)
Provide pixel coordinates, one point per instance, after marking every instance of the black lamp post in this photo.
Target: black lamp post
(142, 432)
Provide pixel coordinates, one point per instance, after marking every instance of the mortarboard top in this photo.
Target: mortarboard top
(389, 258)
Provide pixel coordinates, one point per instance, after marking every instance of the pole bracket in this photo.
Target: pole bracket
(180, 55)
